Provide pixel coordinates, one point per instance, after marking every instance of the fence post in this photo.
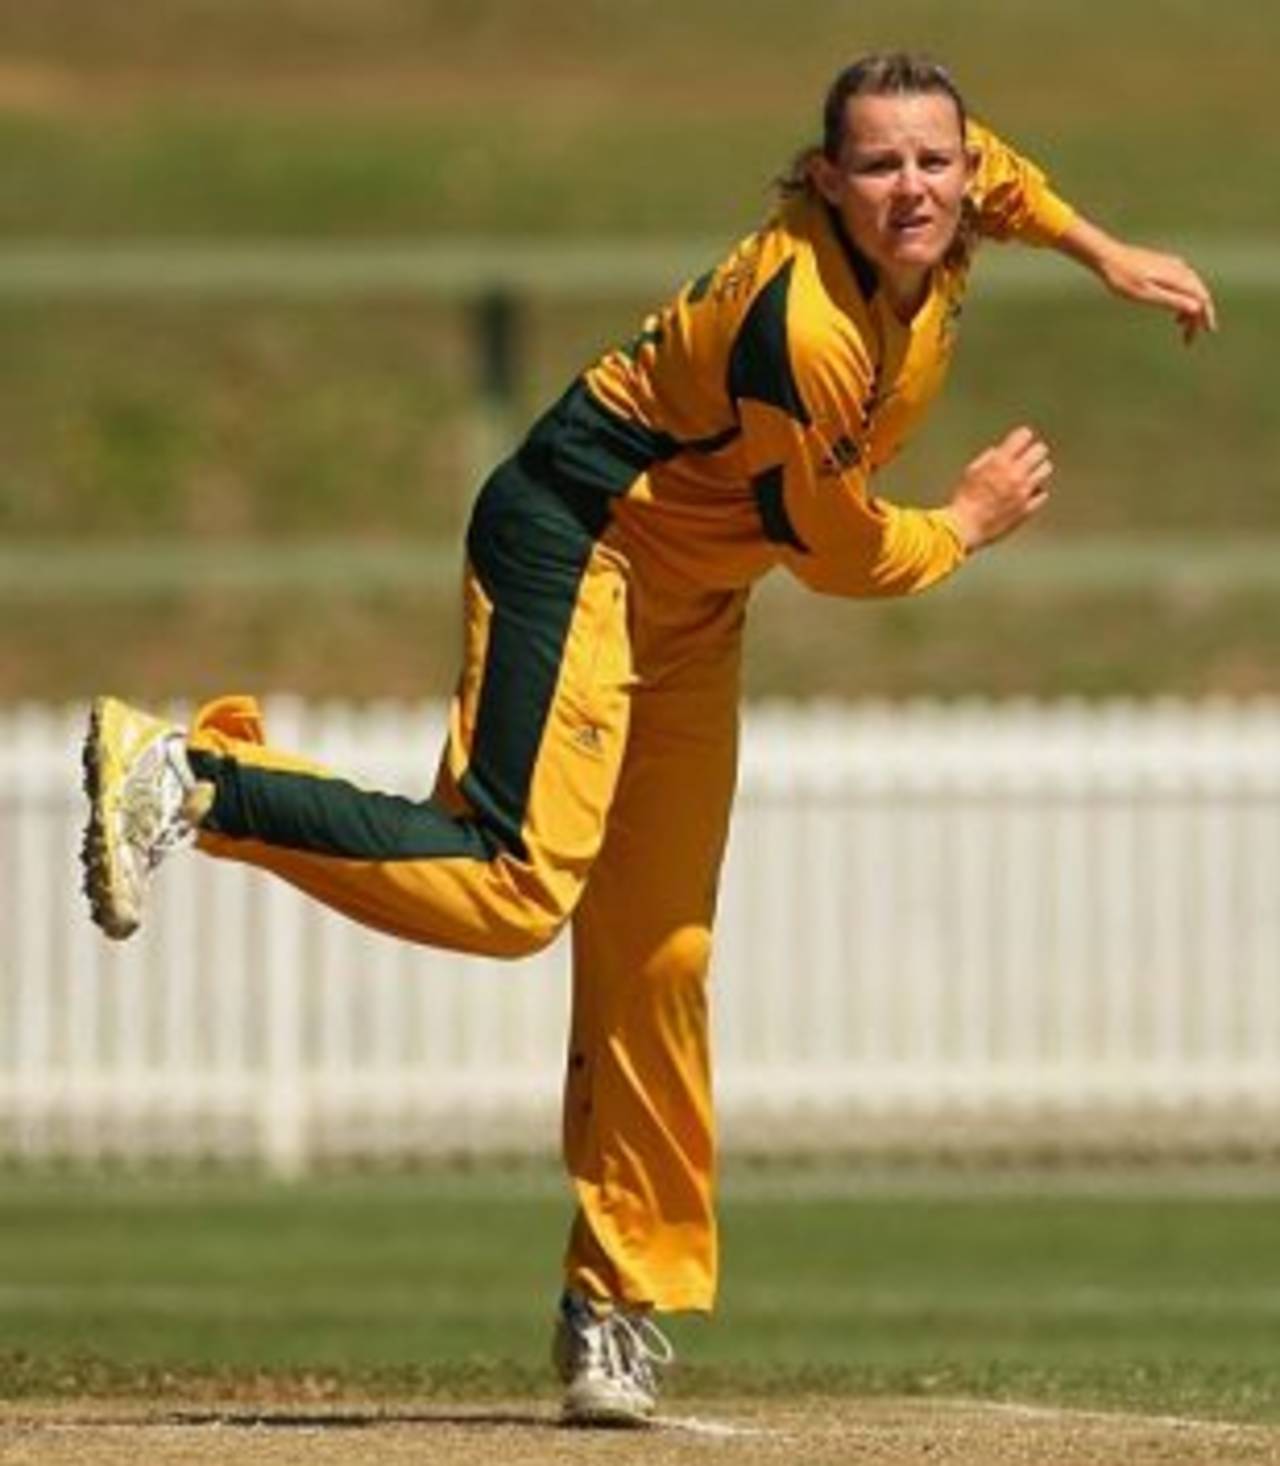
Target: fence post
(32, 885)
(495, 334)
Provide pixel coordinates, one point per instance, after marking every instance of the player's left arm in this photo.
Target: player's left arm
(1013, 199)
(1147, 276)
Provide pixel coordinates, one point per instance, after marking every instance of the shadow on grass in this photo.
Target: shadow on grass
(285, 1420)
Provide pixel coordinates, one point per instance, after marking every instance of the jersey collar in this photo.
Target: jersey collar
(864, 272)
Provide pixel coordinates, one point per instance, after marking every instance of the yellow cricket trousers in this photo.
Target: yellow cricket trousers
(587, 775)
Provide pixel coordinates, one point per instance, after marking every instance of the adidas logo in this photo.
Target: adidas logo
(843, 454)
(588, 738)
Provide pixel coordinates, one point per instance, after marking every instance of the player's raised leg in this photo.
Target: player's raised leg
(495, 861)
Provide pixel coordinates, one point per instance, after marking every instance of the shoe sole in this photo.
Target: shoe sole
(607, 1419)
(594, 1407)
(95, 850)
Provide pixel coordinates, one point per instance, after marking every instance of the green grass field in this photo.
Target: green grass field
(350, 119)
(224, 424)
(1147, 1298)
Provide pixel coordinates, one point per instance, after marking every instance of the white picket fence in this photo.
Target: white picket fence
(941, 926)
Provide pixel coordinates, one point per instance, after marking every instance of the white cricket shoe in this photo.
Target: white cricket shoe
(143, 802)
(608, 1356)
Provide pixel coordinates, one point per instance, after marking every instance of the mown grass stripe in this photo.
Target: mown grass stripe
(582, 268)
(131, 570)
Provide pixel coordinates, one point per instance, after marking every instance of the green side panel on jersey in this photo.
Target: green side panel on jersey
(581, 445)
(767, 487)
(579, 442)
(760, 361)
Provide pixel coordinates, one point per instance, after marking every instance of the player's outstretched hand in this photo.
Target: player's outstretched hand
(1002, 488)
(1153, 278)
(1148, 276)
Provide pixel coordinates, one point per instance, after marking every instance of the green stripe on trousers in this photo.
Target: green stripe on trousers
(529, 545)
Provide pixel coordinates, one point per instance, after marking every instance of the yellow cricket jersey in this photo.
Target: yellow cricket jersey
(742, 427)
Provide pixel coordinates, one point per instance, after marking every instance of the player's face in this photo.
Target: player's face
(899, 180)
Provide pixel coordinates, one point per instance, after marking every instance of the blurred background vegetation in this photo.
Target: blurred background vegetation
(148, 427)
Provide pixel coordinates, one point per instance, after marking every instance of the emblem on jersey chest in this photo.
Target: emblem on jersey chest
(841, 455)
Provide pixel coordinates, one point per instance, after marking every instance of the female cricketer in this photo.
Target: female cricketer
(590, 760)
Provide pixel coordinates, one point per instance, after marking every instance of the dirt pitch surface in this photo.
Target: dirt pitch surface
(809, 1432)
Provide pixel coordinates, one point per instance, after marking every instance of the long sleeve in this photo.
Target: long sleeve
(836, 535)
(1012, 195)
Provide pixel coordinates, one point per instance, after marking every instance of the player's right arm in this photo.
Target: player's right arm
(1001, 488)
(817, 497)
(840, 538)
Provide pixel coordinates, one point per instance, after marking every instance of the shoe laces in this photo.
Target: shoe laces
(628, 1344)
(159, 812)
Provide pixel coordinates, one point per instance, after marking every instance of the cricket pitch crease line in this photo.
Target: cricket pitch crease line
(1102, 1417)
(687, 1424)
(695, 1425)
